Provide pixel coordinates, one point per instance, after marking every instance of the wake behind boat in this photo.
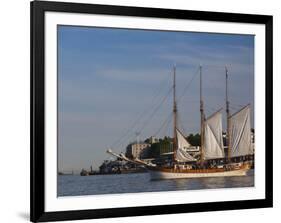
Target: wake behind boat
(212, 160)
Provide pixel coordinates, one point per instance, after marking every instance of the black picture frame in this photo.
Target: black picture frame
(37, 164)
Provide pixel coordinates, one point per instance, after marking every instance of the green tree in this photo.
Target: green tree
(194, 140)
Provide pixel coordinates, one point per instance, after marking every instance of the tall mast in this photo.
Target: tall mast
(202, 118)
(175, 114)
(227, 115)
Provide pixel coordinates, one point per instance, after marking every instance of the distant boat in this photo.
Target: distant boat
(61, 173)
(87, 173)
(184, 165)
(91, 171)
(84, 173)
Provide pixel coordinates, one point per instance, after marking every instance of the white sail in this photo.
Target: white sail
(240, 133)
(181, 154)
(213, 141)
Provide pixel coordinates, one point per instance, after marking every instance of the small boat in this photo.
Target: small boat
(84, 172)
(92, 172)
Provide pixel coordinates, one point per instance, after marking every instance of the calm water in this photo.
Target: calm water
(71, 185)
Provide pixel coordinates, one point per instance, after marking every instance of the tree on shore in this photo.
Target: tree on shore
(194, 140)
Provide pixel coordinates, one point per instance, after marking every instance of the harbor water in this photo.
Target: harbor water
(73, 185)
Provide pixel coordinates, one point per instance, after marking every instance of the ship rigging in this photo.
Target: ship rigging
(185, 165)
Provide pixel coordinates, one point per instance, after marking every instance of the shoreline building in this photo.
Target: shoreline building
(137, 150)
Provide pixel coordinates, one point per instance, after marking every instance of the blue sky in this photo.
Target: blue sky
(109, 78)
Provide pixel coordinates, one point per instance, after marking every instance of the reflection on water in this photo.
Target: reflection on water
(71, 185)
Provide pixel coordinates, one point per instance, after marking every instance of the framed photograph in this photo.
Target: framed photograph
(144, 111)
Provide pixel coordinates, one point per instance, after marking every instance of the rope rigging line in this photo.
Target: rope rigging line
(151, 116)
(188, 84)
(155, 110)
(237, 105)
(181, 125)
(211, 109)
(166, 128)
(141, 114)
(218, 67)
(165, 123)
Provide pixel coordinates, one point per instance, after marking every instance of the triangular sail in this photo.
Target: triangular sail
(213, 140)
(182, 142)
(240, 133)
(183, 145)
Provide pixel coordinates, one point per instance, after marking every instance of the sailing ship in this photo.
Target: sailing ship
(212, 161)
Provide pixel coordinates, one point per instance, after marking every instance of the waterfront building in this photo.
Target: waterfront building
(153, 140)
(137, 150)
